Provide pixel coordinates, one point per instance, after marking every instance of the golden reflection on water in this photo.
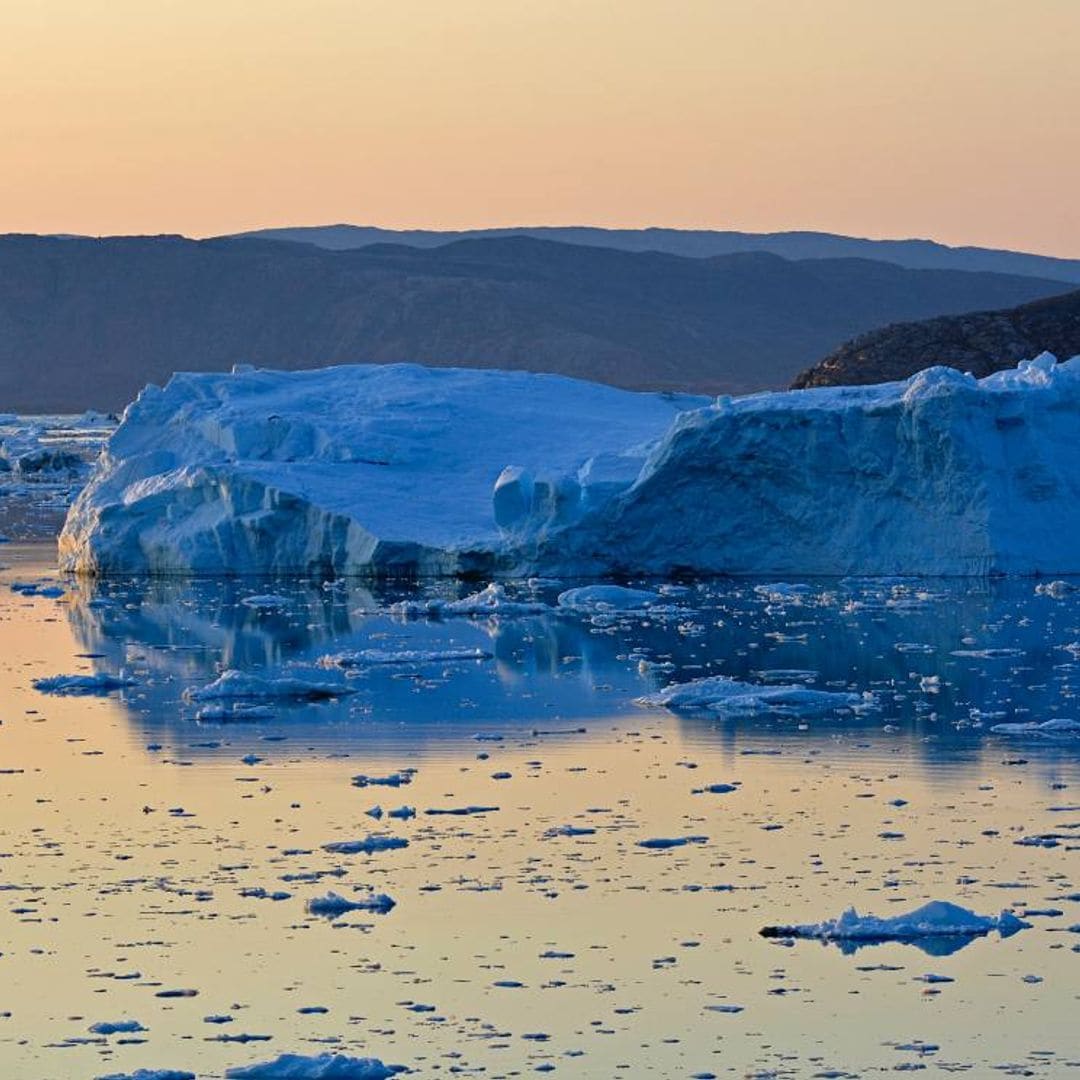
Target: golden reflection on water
(104, 877)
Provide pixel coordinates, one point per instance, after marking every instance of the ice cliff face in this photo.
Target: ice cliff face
(380, 470)
(406, 470)
(941, 474)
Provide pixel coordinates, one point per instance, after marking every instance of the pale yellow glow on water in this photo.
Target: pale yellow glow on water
(97, 888)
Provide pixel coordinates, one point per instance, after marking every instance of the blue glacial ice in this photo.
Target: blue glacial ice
(318, 1067)
(403, 470)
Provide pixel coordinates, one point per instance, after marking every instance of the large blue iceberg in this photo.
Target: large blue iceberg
(406, 471)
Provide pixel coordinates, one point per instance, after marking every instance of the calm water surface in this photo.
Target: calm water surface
(134, 839)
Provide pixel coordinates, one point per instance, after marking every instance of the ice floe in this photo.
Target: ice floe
(726, 696)
(317, 1067)
(234, 685)
(1057, 726)
(333, 904)
(936, 919)
(82, 685)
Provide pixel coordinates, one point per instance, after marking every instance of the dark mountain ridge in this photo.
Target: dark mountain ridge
(88, 322)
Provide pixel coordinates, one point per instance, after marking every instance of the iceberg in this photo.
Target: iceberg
(319, 1067)
(407, 471)
(937, 919)
(387, 470)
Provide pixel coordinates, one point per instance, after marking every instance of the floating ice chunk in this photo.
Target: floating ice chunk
(726, 696)
(333, 904)
(597, 599)
(781, 591)
(398, 779)
(80, 685)
(939, 918)
(367, 846)
(319, 1067)
(266, 602)
(988, 654)
(259, 893)
(1055, 589)
(490, 602)
(662, 843)
(151, 1074)
(378, 657)
(1057, 726)
(116, 1027)
(232, 685)
(237, 711)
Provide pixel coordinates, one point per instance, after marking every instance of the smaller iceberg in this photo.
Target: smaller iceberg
(1057, 726)
(151, 1074)
(938, 927)
(359, 658)
(81, 685)
(492, 601)
(724, 696)
(604, 599)
(334, 904)
(235, 685)
(317, 1067)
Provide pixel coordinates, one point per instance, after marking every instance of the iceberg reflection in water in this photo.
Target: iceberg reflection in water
(942, 660)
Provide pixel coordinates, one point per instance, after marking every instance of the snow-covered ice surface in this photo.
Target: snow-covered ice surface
(406, 471)
(356, 470)
(504, 865)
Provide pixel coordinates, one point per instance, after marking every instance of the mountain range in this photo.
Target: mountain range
(703, 243)
(87, 322)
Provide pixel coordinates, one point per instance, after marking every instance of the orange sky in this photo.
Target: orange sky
(955, 119)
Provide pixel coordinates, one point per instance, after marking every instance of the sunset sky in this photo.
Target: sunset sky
(953, 119)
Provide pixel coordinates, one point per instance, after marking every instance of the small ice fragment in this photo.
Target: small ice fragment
(80, 685)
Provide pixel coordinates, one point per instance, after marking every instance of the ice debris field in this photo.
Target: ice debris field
(394, 725)
(405, 471)
(334, 829)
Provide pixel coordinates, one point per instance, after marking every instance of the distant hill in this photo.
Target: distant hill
(703, 243)
(980, 342)
(88, 322)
